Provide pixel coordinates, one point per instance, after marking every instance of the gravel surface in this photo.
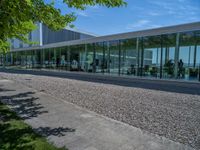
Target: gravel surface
(173, 115)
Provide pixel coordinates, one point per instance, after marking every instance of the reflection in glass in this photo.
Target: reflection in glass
(7, 58)
(22, 58)
(100, 60)
(52, 58)
(64, 62)
(76, 55)
(46, 58)
(37, 59)
(74, 58)
(151, 56)
(129, 55)
(197, 45)
(168, 55)
(188, 57)
(114, 57)
(29, 59)
(57, 57)
(87, 58)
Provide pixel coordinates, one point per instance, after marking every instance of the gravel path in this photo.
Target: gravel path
(173, 115)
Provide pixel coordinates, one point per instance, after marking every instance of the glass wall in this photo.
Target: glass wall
(167, 56)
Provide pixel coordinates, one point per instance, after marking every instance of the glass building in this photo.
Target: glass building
(163, 53)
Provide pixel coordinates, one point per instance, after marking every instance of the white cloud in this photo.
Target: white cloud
(142, 24)
(138, 24)
(90, 11)
(179, 9)
(154, 26)
(82, 13)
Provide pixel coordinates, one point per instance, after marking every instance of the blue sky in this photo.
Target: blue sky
(137, 15)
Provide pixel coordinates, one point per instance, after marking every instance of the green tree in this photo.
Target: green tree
(17, 17)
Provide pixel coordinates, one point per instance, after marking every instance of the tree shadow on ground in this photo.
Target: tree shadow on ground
(24, 104)
(13, 138)
(5, 90)
(16, 135)
(48, 131)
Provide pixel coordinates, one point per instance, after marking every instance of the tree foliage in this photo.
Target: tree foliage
(17, 17)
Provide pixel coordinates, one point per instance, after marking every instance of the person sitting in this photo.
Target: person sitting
(131, 70)
(180, 67)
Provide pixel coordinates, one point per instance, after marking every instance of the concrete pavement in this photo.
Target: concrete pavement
(66, 124)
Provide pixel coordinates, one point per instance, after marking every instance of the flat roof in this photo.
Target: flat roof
(149, 32)
(81, 31)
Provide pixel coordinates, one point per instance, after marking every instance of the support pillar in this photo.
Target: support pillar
(176, 59)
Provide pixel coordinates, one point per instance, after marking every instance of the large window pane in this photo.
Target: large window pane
(8, 59)
(37, 59)
(18, 58)
(114, 57)
(151, 56)
(52, 58)
(129, 54)
(23, 58)
(14, 54)
(29, 59)
(88, 58)
(168, 55)
(64, 63)
(46, 58)
(57, 57)
(101, 64)
(187, 63)
(81, 63)
(74, 58)
(1, 59)
(197, 45)
(76, 54)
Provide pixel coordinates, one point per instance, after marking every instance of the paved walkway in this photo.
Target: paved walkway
(66, 124)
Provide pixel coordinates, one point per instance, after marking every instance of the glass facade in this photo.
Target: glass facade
(166, 56)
